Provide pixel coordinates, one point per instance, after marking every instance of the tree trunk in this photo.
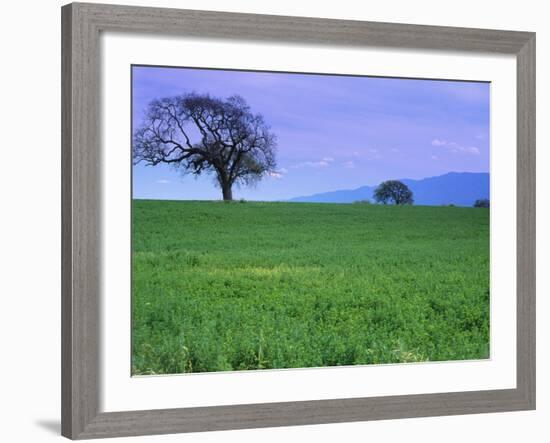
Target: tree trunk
(227, 191)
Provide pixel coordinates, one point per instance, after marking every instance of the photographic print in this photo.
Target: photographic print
(302, 220)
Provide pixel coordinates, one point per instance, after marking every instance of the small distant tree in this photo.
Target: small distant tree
(393, 191)
(365, 201)
(482, 203)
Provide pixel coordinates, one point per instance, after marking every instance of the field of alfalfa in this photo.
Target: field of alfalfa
(219, 286)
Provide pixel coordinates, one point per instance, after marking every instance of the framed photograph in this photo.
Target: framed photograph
(275, 221)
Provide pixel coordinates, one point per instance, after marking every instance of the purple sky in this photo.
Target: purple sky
(333, 132)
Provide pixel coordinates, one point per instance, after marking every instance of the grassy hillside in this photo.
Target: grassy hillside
(220, 286)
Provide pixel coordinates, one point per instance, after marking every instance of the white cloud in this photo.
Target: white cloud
(456, 148)
(324, 162)
(348, 164)
(394, 150)
(163, 181)
(434, 157)
(277, 174)
(373, 150)
(470, 149)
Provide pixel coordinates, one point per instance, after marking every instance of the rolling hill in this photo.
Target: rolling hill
(457, 188)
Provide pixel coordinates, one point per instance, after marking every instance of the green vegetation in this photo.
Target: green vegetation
(482, 203)
(229, 286)
(395, 192)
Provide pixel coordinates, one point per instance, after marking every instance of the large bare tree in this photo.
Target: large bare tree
(198, 134)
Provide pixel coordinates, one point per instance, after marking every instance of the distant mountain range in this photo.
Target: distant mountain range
(457, 188)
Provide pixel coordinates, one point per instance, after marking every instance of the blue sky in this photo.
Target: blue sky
(333, 132)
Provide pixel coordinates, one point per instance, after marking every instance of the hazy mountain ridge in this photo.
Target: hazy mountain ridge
(457, 188)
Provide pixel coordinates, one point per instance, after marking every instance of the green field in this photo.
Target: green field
(231, 286)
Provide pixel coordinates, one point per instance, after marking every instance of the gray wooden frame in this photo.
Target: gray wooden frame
(81, 234)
